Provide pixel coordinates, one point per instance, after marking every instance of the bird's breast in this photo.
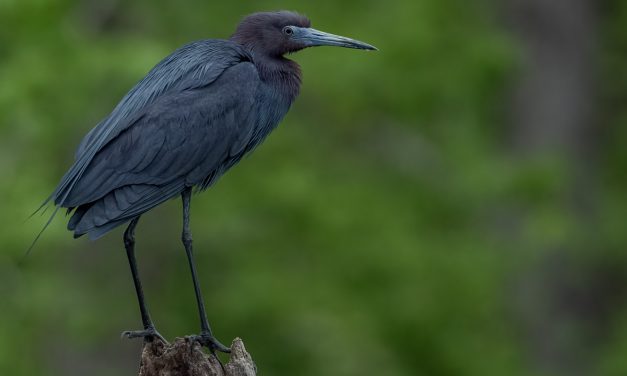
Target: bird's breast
(272, 105)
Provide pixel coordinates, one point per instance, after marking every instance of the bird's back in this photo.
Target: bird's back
(190, 119)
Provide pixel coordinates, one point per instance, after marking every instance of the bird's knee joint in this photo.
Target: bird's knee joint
(129, 240)
(186, 238)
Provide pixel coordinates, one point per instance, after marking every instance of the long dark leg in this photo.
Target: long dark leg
(149, 331)
(206, 336)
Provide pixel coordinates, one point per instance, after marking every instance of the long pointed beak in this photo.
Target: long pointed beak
(312, 37)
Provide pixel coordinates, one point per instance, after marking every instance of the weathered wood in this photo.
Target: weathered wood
(186, 358)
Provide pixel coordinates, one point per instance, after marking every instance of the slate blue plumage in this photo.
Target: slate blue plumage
(186, 123)
(193, 116)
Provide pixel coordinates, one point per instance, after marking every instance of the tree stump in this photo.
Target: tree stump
(184, 357)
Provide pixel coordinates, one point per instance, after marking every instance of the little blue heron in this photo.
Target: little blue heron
(193, 116)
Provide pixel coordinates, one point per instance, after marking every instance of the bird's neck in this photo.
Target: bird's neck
(280, 72)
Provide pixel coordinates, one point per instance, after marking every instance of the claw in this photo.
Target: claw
(148, 335)
(209, 341)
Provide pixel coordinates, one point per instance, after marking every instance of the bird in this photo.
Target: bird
(179, 129)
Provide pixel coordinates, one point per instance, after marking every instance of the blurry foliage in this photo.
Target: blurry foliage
(363, 237)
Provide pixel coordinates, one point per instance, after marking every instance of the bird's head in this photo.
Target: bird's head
(275, 34)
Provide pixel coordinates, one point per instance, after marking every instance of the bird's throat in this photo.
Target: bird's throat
(282, 73)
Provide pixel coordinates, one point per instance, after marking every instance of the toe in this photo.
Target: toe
(211, 343)
(147, 334)
(216, 345)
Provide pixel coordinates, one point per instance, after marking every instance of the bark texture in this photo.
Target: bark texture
(186, 358)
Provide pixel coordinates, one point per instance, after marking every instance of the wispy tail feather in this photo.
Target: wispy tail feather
(30, 248)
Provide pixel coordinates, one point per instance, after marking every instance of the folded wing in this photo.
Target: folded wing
(195, 65)
(183, 134)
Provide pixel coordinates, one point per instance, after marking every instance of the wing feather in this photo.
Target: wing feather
(192, 66)
(180, 140)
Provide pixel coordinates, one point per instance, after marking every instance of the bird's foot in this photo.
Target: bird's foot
(209, 341)
(149, 334)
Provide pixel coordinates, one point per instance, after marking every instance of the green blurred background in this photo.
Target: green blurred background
(453, 204)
